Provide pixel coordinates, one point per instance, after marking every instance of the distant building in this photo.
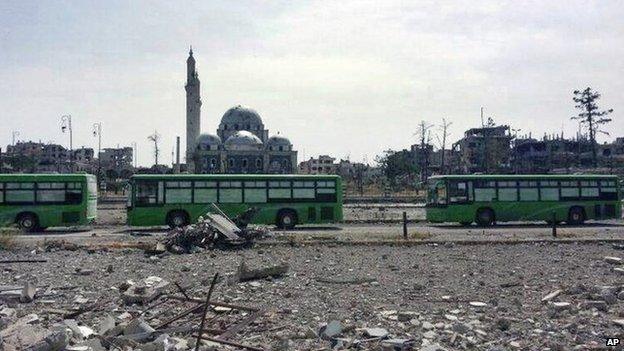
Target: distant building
(554, 153)
(116, 162)
(324, 164)
(486, 149)
(33, 157)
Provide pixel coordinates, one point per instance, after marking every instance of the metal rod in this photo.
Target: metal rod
(206, 306)
(181, 290)
(554, 224)
(404, 225)
(216, 303)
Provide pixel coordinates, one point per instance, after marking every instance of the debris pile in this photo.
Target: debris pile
(215, 230)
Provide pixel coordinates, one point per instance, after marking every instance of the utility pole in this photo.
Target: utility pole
(97, 131)
(445, 125)
(135, 153)
(66, 124)
(155, 138)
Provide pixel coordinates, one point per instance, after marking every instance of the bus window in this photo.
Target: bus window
(146, 193)
(230, 192)
(569, 190)
(178, 192)
(458, 192)
(74, 193)
(528, 194)
(205, 192)
(51, 192)
(20, 192)
(549, 190)
(485, 190)
(279, 190)
(507, 191)
(255, 192)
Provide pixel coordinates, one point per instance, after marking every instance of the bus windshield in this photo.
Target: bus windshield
(436, 192)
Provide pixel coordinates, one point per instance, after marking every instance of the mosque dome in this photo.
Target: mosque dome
(278, 143)
(208, 142)
(241, 118)
(243, 141)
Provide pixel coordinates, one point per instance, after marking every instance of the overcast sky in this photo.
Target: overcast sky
(345, 78)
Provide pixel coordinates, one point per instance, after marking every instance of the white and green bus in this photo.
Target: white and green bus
(487, 199)
(36, 201)
(283, 200)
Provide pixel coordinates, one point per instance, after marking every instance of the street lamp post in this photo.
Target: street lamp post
(66, 124)
(97, 131)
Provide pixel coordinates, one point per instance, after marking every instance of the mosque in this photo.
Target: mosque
(241, 144)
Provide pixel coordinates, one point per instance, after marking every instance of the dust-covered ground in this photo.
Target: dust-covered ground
(420, 293)
(444, 287)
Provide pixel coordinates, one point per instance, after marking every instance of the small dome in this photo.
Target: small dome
(241, 118)
(243, 140)
(208, 142)
(278, 142)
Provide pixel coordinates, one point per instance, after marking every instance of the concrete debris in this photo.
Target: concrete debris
(561, 305)
(28, 292)
(551, 295)
(331, 330)
(245, 273)
(613, 260)
(149, 289)
(376, 332)
(477, 304)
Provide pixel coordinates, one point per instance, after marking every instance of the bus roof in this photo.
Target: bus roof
(524, 176)
(45, 177)
(233, 176)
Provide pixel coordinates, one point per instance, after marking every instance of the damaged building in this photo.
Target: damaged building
(486, 149)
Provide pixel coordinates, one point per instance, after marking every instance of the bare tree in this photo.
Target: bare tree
(424, 135)
(444, 127)
(155, 138)
(591, 116)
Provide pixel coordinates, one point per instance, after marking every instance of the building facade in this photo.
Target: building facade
(241, 143)
(324, 164)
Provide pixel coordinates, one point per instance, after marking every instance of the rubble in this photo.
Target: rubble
(146, 305)
(214, 230)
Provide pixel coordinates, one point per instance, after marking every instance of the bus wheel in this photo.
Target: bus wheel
(576, 216)
(28, 222)
(286, 219)
(485, 217)
(176, 219)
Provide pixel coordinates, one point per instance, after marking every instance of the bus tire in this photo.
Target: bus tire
(178, 218)
(286, 219)
(28, 222)
(576, 215)
(485, 217)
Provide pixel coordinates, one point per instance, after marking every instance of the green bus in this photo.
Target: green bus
(487, 199)
(283, 200)
(37, 201)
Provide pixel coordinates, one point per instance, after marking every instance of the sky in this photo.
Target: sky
(345, 78)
